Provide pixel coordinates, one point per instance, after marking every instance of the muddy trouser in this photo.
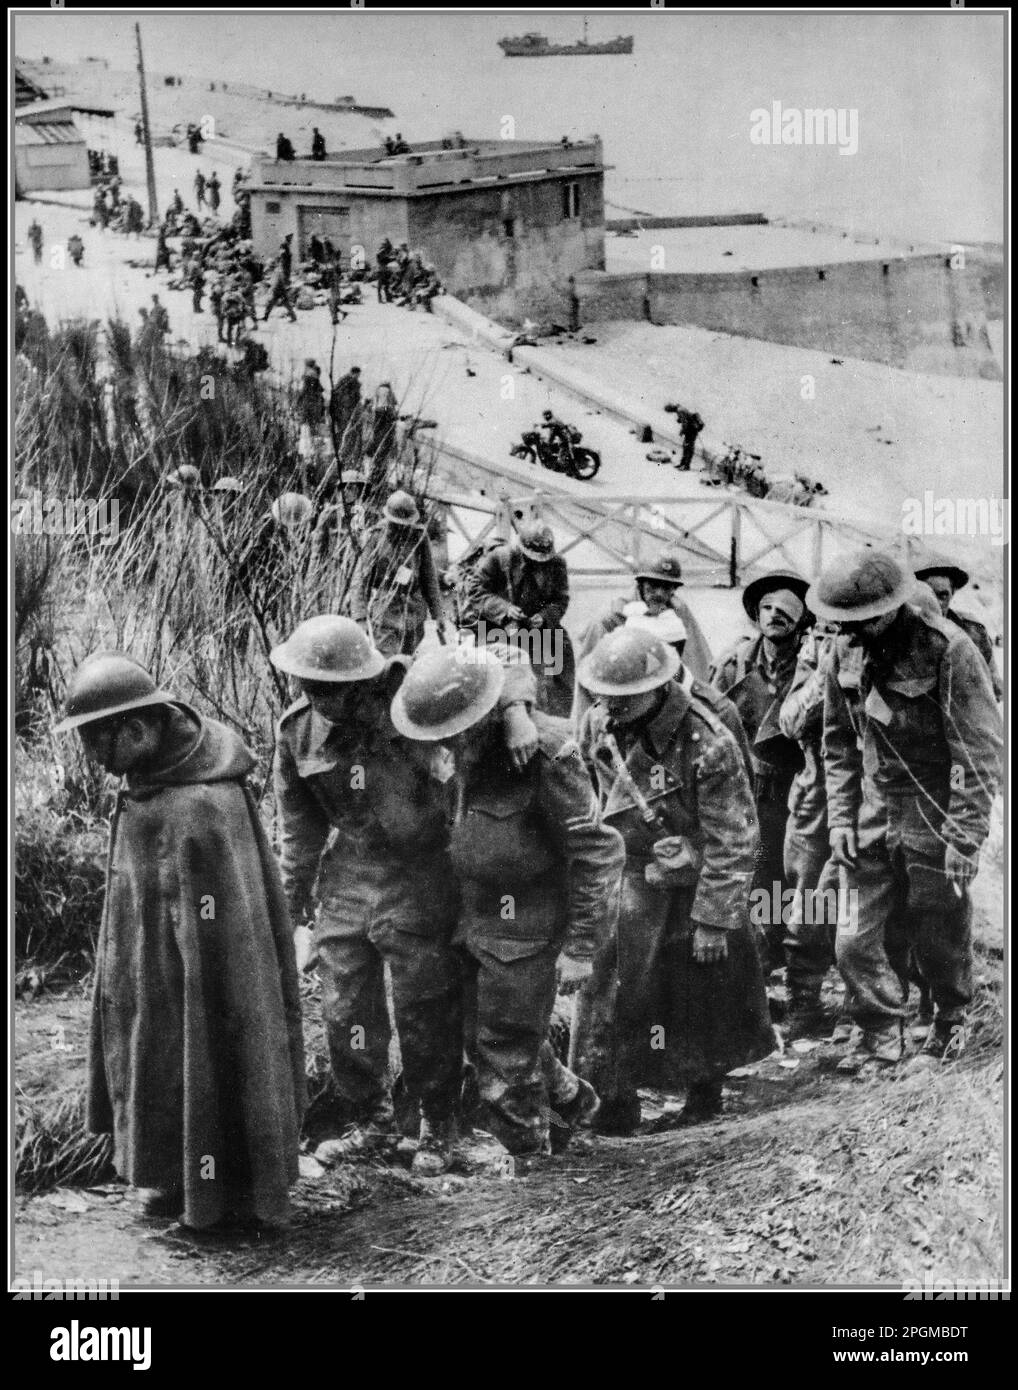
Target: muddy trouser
(901, 883)
(771, 794)
(810, 920)
(510, 994)
(371, 915)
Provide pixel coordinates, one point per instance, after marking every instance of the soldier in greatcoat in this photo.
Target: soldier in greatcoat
(912, 746)
(678, 999)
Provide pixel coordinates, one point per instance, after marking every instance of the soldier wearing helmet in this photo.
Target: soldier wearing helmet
(756, 674)
(678, 1000)
(382, 438)
(669, 628)
(539, 877)
(364, 836)
(394, 586)
(912, 745)
(195, 1049)
(945, 579)
(522, 589)
(657, 588)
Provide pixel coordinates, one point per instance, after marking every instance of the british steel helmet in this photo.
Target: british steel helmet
(401, 510)
(666, 569)
(933, 562)
(447, 691)
(767, 583)
(108, 683)
(292, 509)
(186, 477)
(865, 584)
(628, 661)
(537, 542)
(328, 648)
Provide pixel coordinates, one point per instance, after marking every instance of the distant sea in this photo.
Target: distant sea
(675, 117)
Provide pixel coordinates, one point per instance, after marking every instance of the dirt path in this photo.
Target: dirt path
(810, 1178)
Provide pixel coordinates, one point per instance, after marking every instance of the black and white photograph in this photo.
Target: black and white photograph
(509, 661)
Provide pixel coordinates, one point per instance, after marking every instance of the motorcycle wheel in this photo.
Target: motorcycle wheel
(586, 463)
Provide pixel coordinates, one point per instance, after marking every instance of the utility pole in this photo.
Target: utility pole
(150, 168)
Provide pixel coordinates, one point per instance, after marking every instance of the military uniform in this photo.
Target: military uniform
(696, 655)
(757, 687)
(981, 641)
(541, 589)
(809, 943)
(912, 743)
(402, 572)
(712, 1017)
(361, 823)
(539, 874)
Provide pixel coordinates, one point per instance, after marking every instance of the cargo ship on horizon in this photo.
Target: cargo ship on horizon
(538, 46)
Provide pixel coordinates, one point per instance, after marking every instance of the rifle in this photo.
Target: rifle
(651, 818)
(676, 862)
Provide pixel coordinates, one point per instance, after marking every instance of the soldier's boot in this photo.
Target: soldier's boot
(703, 1103)
(434, 1149)
(805, 1018)
(373, 1136)
(879, 1051)
(567, 1118)
(845, 1031)
(945, 1042)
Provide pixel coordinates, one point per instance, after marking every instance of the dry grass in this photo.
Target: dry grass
(198, 585)
(52, 1147)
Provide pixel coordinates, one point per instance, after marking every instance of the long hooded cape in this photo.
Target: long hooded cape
(196, 1059)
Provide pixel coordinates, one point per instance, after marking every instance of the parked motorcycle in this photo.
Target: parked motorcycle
(563, 457)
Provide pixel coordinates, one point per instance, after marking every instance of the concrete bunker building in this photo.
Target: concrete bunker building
(506, 223)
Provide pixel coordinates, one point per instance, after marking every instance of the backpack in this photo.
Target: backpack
(464, 576)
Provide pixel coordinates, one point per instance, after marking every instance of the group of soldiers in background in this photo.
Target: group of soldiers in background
(438, 821)
(103, 164)
(402, 277)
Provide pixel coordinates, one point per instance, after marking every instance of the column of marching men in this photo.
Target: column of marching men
(459, 854)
